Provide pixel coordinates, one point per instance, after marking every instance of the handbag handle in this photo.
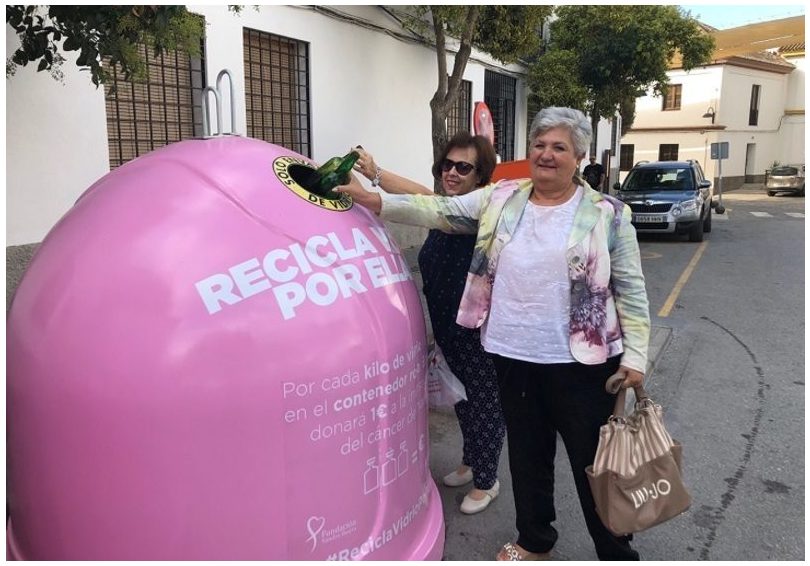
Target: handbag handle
(613, 385)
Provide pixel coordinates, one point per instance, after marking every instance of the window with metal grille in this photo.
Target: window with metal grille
(753, 112)
(626, 156)
(500, 94)
(668, 152)
(277, 90)
(458, 119)
(162, 108)
(672, 98)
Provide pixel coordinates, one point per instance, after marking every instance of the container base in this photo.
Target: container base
(430, 548)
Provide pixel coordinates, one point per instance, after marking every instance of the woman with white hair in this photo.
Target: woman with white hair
(555, 284)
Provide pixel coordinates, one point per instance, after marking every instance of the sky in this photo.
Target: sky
(731, 15)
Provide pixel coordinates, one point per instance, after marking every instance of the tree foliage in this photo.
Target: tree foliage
(616, 53)
(507, 33)
(510, 33)
(99, 32)
(554, 84)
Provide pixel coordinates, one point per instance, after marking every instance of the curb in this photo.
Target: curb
(659, 339)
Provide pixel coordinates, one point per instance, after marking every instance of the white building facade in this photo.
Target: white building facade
(792, 133)
(353, 74)
(755, 103)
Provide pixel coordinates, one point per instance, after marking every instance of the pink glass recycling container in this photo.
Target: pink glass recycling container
(207, 362)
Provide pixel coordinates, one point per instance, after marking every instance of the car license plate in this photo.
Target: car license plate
(648, 218)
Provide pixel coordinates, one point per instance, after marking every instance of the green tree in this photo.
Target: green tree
(97, 33)
(553, 84)
(507, 33)
(616, 53)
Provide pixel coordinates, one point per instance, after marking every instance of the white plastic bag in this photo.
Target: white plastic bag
(444, 388)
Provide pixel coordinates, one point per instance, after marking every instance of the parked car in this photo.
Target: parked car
(669, 197)
(785, 179)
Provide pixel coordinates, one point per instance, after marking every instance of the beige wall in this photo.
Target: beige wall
(56, 145)
(792, 134)
(700, 88)
(727, 89)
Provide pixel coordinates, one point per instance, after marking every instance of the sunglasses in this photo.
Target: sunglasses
(462, 167)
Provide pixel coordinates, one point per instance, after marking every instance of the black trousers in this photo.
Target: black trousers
(538, 401)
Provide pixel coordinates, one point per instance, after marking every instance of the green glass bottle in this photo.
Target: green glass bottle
(333, 173)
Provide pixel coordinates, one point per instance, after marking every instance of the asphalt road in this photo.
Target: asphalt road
(731, 380)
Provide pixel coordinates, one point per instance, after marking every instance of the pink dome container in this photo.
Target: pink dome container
(206, 362)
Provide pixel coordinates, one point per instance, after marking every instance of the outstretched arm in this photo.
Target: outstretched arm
(454, 215)
(361, 196)
(386, 180)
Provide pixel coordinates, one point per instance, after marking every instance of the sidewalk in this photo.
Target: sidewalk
(478, 537)
(748, 191)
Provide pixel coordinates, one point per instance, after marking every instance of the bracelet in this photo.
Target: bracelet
(375, 182)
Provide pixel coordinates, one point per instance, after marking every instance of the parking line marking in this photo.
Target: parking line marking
(679, 285)
(720, 217)
(762, 214)
(795, 214)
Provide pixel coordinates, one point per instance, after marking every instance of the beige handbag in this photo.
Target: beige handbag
(636, 475)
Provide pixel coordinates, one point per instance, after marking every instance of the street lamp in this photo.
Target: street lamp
(710, 113)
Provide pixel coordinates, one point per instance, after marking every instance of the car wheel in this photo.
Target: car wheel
(707, 223)
(696, 232)
(771, 193)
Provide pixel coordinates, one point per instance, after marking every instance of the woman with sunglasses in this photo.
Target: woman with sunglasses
(556, 286)
(465, 165)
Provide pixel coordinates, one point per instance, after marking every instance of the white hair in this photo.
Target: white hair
(569, 118)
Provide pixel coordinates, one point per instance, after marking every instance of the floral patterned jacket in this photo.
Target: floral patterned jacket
(609, 307)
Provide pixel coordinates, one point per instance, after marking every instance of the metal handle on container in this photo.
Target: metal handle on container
(207, 112)
(232, 100)
(218, 98)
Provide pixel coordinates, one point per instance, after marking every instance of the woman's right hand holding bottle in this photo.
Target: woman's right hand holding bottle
(393, 183)
(365, 164)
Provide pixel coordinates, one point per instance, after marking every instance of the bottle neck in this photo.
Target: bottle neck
(348, 162)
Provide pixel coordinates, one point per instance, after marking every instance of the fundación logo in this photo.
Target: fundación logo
(318, 533)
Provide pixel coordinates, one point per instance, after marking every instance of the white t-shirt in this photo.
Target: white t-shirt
(531, 294)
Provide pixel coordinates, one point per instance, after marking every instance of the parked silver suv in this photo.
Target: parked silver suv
(785, 179)
(669, 197)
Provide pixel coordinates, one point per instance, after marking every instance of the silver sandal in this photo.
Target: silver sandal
(512, 553)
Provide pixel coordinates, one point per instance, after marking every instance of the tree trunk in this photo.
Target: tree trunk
(627, 110)
(438, 128)
(448, 88)
(595, 128)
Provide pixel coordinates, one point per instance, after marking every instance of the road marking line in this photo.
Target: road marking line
(679, 285)
(720, 217)
(762, 214)
(795, 214)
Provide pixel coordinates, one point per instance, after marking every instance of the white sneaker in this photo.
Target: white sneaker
(471, 506)
(454, 479)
